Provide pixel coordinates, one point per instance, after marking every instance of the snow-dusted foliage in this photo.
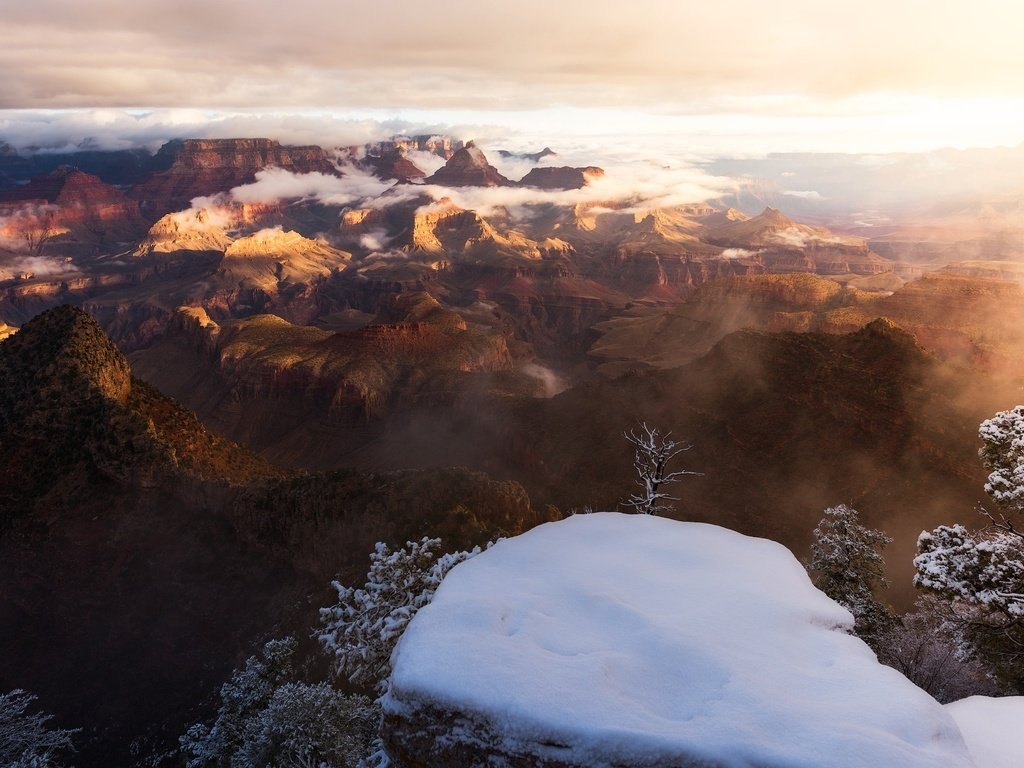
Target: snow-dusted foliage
(242, 697)
(927, 647)
(847, 565)
(981, 573)
(985, 568)
(360, 630)
(26, 740)
(267, 720)
(1003, 454)
(653, 452)
(308, 726)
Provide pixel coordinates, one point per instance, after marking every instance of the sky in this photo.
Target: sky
(746, 76)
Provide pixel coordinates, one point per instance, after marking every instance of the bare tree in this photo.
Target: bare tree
(927, 647)
(654, 451)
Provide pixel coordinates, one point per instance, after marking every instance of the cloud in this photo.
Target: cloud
(427, 162)
(375, 240)
(737, 253)
(119, 129)
(661, 54)
(355, 188)
(553, 383)
(629, 180)
(12, 265)
(808, 194)
(797, 238)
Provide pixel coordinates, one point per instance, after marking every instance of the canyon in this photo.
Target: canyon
(244, 363)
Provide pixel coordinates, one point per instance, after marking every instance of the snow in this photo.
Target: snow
(992, 729)
(631, 639)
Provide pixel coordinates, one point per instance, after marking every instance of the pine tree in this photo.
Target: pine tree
(847, 565)
(267, 719)
(361, 630)
(981, 573)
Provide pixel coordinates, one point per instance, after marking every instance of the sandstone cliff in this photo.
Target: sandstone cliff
(203, 167)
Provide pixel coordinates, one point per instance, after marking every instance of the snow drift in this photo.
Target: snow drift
(992, 729)
(609, 639)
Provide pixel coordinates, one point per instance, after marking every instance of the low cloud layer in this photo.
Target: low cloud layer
(628, 179)
(118, 129)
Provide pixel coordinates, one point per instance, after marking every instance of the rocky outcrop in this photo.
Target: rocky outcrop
(561, 177)
(469, 168)
(63, 346)
(70, 202)
(191, 230)
(275, 260)
(442, 146)
(445, 228)
(575, 662)
(786, 246)
(349, 377)
(395, 165)
(203, 167)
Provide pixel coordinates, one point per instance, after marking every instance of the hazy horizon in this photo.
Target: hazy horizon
(736, 80)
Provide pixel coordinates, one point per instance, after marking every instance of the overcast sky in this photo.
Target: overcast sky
(877, 74)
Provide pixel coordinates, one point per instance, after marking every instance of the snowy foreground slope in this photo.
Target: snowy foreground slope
(992, 728)
(611, 640)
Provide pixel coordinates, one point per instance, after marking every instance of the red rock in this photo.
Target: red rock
(561, 177)
(71, 200)
(469, 168)
(395, 165)
(207, 166)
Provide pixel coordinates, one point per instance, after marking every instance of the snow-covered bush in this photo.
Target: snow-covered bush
(242, 697)
(1003, 455)
(308, 725)
(981, 573)
(268, 720)
(360, 630)
(26, 740)
(984, 567)
(847, 565)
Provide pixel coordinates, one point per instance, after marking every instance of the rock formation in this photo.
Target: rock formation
(203, 167)
(442, 146)
(786, 246)
(191, 230)
(70, 202)
(561, 177)
(395, 165)
(469, 168)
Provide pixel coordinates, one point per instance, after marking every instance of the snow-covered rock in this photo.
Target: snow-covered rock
(992, 729)
(630, 640)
